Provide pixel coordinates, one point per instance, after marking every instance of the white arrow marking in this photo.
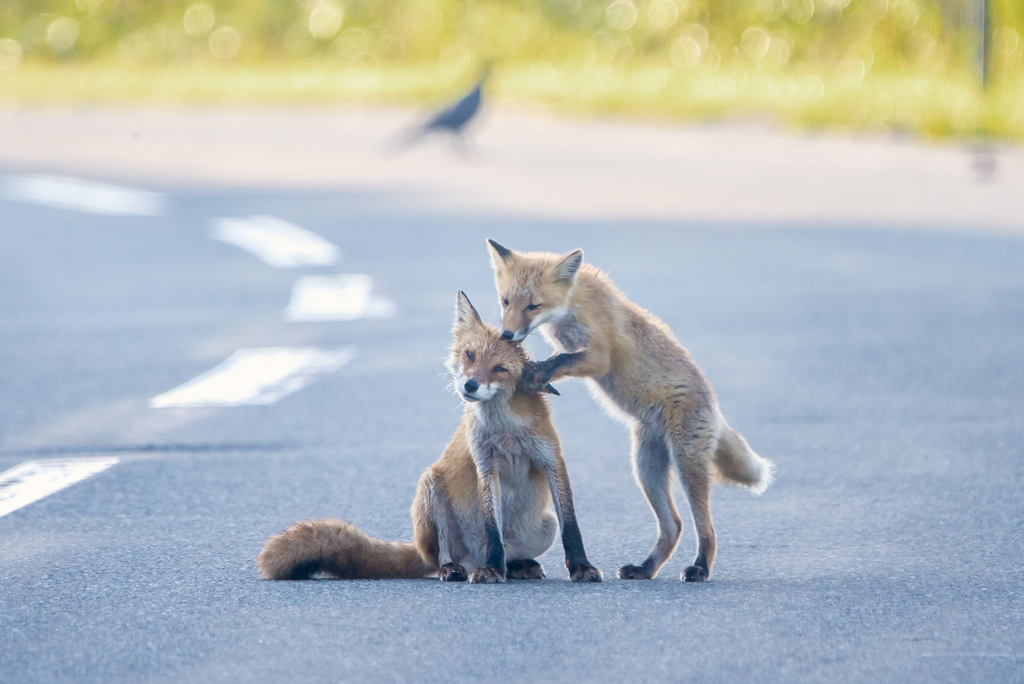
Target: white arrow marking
(82, 195)
(336, 298)
(34, 480)
(256, 377)
(276, 241)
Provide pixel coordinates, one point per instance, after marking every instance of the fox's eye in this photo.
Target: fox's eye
(533, 307)
(504, 303)
(470, 356)
(499, 369)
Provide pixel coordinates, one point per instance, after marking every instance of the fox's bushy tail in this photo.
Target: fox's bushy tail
(338, 549)
(736, 463)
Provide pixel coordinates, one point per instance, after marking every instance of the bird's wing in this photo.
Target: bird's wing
(458, 114)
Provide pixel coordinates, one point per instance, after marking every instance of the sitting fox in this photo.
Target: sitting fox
(483, 511)
(641, 374)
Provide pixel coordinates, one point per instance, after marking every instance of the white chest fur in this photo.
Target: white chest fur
(506, 440)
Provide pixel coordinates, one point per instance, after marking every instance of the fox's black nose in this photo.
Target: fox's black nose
(472, 386)
(507, 335)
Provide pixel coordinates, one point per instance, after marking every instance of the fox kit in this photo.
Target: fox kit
(483, 511)
(642, 375)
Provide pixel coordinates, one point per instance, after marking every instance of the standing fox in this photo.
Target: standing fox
(642, 375)
(483, 511)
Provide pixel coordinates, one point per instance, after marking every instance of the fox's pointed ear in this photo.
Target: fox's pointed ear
(465, 314)
(500, 256)
(567, 268)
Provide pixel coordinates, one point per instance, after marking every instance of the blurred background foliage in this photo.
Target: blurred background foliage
(909, 65)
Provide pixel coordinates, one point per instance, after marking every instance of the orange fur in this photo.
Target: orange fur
(642, 375)
(488, 497)
(338, 549)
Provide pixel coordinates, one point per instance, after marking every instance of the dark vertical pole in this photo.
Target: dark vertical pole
(986, 42)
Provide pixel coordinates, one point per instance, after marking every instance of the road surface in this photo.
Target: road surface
(870, 342)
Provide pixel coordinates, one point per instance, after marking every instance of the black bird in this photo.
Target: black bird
(453, 118)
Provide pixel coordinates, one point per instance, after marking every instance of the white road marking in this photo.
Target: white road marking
(276, 241)
(33, 480)
(256, 377)
(82, 195)
(970, 655)
(336, 298)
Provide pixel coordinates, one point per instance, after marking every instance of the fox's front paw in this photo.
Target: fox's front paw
(487, 576)
(452, 572)
(585, 572)
(631, 572)
(535, 376)
(528, 569)
(696, 573)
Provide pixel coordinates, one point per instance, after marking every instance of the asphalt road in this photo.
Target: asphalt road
(880, 369)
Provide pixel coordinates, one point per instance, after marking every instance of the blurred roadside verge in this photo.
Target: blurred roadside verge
(863, 65)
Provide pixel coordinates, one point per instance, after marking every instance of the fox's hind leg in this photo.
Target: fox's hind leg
(694, 447)
(450, 546)
(524, 550)
(652, 468)
(436, 531)
(527, 569)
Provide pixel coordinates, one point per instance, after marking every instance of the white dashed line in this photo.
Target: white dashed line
(34, 480)
(336, 298)
(82, 195)
(256, 377)
(971, 655)
(276, 241)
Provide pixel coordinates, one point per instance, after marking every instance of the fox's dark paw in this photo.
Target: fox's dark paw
(695, 573)
(585, 572)
(452, 572)
(535, 376)
(487, 576)
(527, 569)
(628, 572)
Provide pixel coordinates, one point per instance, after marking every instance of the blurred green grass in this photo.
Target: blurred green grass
(908, 65)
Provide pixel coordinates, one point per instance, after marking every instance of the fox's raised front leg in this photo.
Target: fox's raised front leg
(592, 362)
(537, 374)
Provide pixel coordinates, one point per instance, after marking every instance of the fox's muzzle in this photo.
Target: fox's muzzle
(516, 335)
(472, 391)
